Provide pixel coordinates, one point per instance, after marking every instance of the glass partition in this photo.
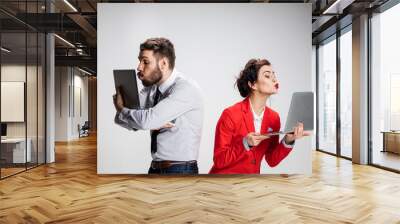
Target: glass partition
(22, 64)
(13, 105)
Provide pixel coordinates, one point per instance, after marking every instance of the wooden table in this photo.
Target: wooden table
(391, 141)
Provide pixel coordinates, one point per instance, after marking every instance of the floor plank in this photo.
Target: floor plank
(70, 191)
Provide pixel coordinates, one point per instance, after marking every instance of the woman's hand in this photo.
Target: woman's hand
(298, 133)
(254, 139)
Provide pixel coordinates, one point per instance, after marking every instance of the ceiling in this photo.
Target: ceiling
(76, 22)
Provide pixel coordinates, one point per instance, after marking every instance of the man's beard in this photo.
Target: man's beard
(154, 77)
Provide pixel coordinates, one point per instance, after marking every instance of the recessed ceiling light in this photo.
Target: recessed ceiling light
(328, 10)
(84, 71)
(70, 5)
(64, 40)
(5, 50)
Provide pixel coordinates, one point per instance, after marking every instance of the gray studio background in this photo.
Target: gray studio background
(212, 42)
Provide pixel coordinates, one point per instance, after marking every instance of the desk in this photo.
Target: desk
(13, 150)
(391, 141)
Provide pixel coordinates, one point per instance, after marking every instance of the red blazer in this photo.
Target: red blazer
(230, 155)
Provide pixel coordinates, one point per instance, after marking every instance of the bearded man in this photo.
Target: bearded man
(171, 107)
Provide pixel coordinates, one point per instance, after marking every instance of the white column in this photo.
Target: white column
(360, 90)
(50, 99)
(50, 92)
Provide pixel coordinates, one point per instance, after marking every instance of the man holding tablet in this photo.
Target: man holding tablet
(172, 110)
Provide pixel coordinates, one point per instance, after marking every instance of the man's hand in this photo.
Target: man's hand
(118, 100)
(167, 125)
(298, 133)
(254, 139)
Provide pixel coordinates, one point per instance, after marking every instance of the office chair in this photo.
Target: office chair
(84, 130)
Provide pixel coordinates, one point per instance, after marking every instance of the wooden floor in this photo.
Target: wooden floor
(387, 159)
(5, 172)
(70, 191)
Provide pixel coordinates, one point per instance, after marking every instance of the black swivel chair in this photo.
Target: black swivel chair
(84, 130)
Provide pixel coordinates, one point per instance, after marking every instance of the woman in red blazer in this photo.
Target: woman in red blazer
(239, 147)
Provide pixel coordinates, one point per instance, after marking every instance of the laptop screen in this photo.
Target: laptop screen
(301, 110)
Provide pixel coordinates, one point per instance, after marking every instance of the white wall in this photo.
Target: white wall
(12, 100)
(17, 73)
(79, 117)
(61, 103)
(67, 81)
(212, 43)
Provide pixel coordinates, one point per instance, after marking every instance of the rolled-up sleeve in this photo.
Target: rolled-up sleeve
(121, 121)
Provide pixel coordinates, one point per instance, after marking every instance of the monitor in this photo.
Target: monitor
(3, 129)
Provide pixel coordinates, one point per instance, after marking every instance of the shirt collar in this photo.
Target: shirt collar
(255, 116)
(168, 83)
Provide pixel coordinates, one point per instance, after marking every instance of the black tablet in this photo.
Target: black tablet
(126, 80)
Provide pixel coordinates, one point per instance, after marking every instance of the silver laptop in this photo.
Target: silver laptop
(301, 110)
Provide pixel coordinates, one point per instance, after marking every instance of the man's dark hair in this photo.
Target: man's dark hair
(160, 47)
(249, 74)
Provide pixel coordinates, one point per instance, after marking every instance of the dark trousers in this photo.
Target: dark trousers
(188, 168)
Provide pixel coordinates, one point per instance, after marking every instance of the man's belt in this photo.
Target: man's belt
(168, 163)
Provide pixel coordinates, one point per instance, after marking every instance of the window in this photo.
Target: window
(385, 89)
(327, 96)
(346, 93)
